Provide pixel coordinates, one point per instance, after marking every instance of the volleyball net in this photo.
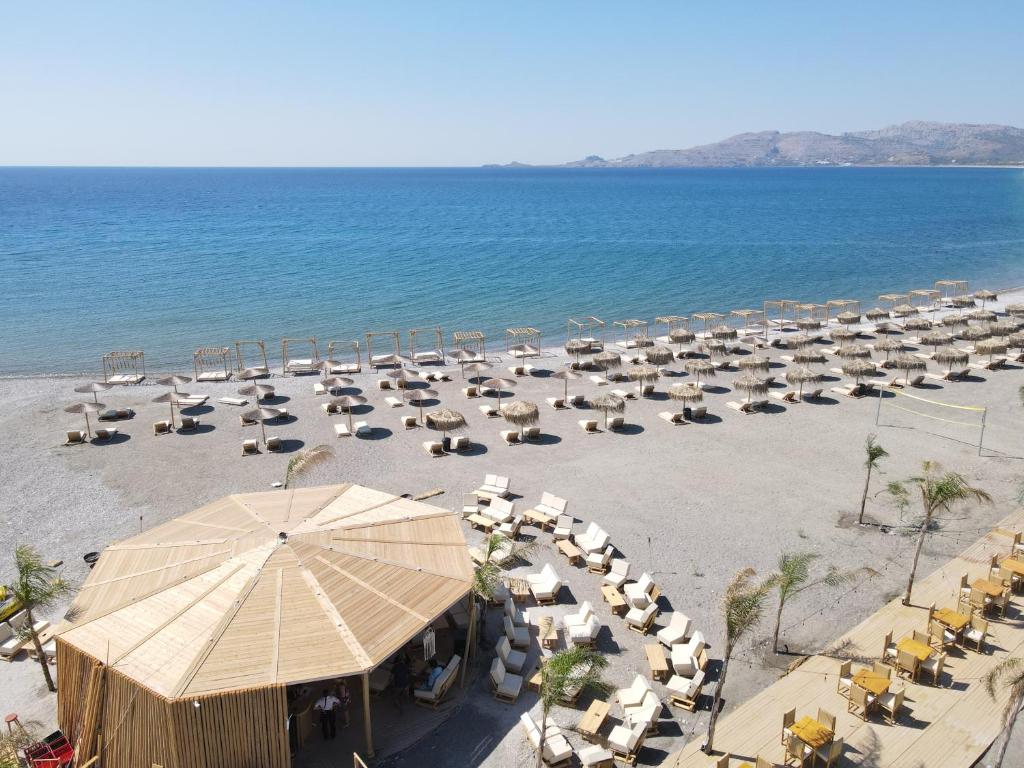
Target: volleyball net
(963, 423)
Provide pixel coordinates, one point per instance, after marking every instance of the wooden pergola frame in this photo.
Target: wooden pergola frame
(300, 365)
(780, 306)
(951, 288)
(632, 331)
(840, 305)
(583, 329)
(260, 348)
(931, 297)
(746, 315)
(707, 318)
(375, 361)
(117, 364)
(892, 299)
(353, 345)
(522, 335)
(473, 342)
(671, 323)
(435, 355)
(212, 364)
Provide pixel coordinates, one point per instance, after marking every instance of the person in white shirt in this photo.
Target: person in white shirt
(327, 705)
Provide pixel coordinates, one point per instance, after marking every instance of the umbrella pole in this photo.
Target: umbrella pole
(88, 431)
(171, 404)
(263, 429)
(565, 393)
(350, 418)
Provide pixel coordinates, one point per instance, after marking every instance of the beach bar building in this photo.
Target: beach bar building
(194, 644)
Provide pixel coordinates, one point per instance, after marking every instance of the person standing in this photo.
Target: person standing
(344, 700)
(400, 680)
(327, 705)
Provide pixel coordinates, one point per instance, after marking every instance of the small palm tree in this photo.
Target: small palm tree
(575, 669)
(873, 454)
(743, 606)
(939, 492)
(304, 460)
(37, 586)
(1009, 674)
(487, 575)
(794, 577)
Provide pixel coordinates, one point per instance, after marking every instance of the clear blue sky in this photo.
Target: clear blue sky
(464, 83)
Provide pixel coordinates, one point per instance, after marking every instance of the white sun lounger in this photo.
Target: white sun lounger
(341, 430)
(232, 401)
(394, 402)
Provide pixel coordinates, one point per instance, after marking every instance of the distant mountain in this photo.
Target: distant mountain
(913, 143)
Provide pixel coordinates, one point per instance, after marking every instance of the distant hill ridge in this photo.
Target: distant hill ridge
(914, 143)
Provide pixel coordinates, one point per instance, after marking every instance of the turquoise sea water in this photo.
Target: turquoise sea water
(167, 260)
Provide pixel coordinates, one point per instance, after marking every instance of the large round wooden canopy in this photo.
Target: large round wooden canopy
(268, 588)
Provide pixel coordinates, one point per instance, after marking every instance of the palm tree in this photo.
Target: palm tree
(1008, 674)
(305, 460)
(794, 577)
(564, 673)
(487, 575)
(37, 587)
(743, 606)
(939, 492)
(873, 454)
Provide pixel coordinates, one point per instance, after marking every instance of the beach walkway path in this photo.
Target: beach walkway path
(951, 725)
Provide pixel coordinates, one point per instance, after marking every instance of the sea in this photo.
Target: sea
(168, 260)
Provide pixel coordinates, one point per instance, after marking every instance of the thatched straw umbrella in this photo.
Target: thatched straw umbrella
(985, 295)
(92, 388)
(798, 340)
(252, 373)
(173, 398)
(723, 332)
(174, 380)
(418, 396)
(259, 391)
(904, 310)
(1005, 327)
(446, 420)
(853, 352)
(700, 368)
(982, 315)
(885, 328)
(858, 369)
(608, 403)
(840, 335)
(714, 347)
(908, 363)
(952, 321)
(889, 346)
(566, 376)
(336, 382)
(404, 376)
(391, 359)
(681, 336)
(801, 376)
(687, 393)
(521, 413)
(347, 403)
(936, 339)
(750, 384)
(754, 364)
(951, 356)
(524, 350)
(85, 409)
(1015, 310)
(807, 355)
(990, 347)
(259, 414)
(1016, 340)
(808, 324)
(917, 324)
(974, 333)
(659, 355)
(500, 384)
(576, 347)
(962, 302)
(476, 367)
(848, 318)
(607, 360)
(876, 314)
(643, 373)
(464, 356)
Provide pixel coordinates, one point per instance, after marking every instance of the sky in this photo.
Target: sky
(465, 83)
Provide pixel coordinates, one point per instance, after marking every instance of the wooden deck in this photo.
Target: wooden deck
(951, 725)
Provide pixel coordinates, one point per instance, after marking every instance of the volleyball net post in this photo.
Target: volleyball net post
(957, 416)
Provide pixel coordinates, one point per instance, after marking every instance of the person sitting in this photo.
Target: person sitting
(435, 673)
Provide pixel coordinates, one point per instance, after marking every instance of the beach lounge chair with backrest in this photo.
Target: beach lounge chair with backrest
(638, 594)
(624, 394)
(493, 486)
(505, 685)
(616, 422)
(678, 629)
(690, 656)
(545, 585)
(471, 391)
(239, 401)
(557, 751)
(684, 692)
(189, 423)
(362, 429)
(274, 444)
(589, 426)
(513, 660)
(432, 698)
(409, 422)
(557, 403)
(746, 408)
(434, 448)
(250, 447)
(582, 626)
(519, 637)
(601, 381)
(627, 742)
(162, 427)
(577, 401)
(618, 574)
(641, 619)
(785, 397)
(563, 527)
(489, 411)
(394, 402)
(672, 418)
(531, 433)
(341, 430)
(597, 562)
(514, 614)
(105, 434)
(460, 443)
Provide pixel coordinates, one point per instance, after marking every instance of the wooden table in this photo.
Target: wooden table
(518, 588)
(533, 680)
(614, 598)
(990, 588)
(570, 550)
(872, 682)
(952, 620)
(811, 732)
(547, 631)
(915, 648)
(656, 660)
(1013, 565)
(593, 719)
(542, 519)
(479, 521)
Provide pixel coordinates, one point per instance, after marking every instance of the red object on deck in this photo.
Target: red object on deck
(53, 752)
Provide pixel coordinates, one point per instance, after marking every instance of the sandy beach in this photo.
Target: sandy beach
(691, 504)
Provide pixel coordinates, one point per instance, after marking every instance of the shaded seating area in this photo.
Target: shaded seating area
(211, 364)
(125, 367)
(293, 361)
